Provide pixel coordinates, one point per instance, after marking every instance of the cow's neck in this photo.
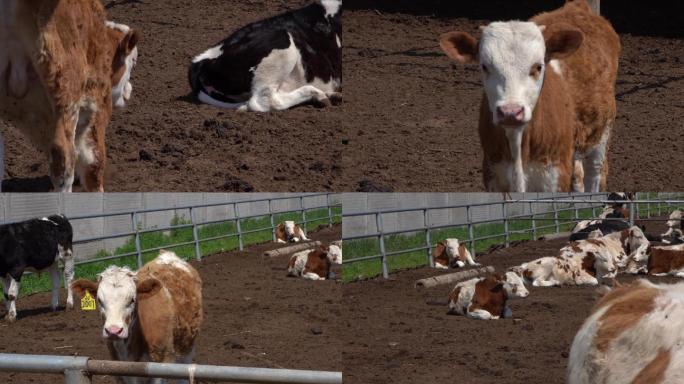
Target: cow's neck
(133, 347)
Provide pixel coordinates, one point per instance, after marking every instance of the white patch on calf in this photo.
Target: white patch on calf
(170, 258)
(210, 53)
(116, 294)
(335, 254)
(556, 66)
(516, 179)
(331, 7)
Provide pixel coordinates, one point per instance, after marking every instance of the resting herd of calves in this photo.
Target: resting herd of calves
(641, 317)
(62, 99)
(152, 314)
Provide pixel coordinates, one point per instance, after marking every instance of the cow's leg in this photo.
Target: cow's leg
(544, 283)
(187, 359)
(280, 241)
(595, 165)
(480, 314)
(11, 293)
(68, 259)
(471, 261)
(55, 278)
(507, 314)
(90, 147)
(62, 153)
(311, 276)
(460, 264)
(578, 176)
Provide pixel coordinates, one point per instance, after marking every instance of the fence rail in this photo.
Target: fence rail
(136, 232)
(559, 204)
(79, 370)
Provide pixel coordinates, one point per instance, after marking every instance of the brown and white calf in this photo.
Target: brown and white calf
(315, 264)
(450, 252)
(289, 232)
(56, 63)
(589, 261)
(633, 335)
(674, 223)
(549, 98)
(666, 260)
(485, 298)
(153, 314)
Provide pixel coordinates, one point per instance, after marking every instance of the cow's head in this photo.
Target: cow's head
(117, 290)
(675, 219)
(451, 248)
(290, 232)
(513, 57)
(637, 247)
(124, 43)
(515, 285)
(603, 264)
(334, 254)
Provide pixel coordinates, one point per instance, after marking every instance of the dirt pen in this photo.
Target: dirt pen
(410, 108)
(163, 141)
(394, 336)
(255, 316)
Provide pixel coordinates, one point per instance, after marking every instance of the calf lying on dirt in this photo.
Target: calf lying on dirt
(485, 298)
(450, 253)
(315, 264)
(289, 232)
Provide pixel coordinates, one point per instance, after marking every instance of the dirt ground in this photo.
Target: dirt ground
(255, 316)
(409, 107)
(392, 335)
(163, 142)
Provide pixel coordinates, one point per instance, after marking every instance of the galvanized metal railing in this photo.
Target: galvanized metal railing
(195, 224)
(559, 204)
(80, 370)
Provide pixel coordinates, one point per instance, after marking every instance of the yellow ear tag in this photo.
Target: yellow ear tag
(88, 303)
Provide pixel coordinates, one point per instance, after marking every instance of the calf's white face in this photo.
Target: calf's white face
(605, 266)
(675, 219)
(451, 246)
(289, 230)
(512, 57)
(335, 254)
(515, 286)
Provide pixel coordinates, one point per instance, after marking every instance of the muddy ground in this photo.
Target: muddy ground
(255, 316)
(162, 141)
(412, 114)
(392, 335)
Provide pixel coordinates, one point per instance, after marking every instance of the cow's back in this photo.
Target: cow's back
(591, 71)
(182, 302)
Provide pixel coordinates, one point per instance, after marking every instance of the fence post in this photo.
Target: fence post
(631, 213)
(195, 237)
(75, 376)
(504, 211)
(301, 204)
(381, 238)
(534, 223)
(576, 210)
(471, 236)
(428, 238)
(134, 224)
(237, 225)
(273, 226)
(330, 213)
(555, 216)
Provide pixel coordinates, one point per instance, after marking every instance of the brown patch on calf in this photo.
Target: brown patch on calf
(588, 263)
(527, 274)
(490, 295)
(280, 232)
(575, 247)
(317, 262)
(462, 253)
(627, 305)
(665, 260)
(439, 255)
(122, 45)
(596, 242)
(453, 296)
(654, 371)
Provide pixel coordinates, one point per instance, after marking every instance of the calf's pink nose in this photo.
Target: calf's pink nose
(114, 330)
(511, 113)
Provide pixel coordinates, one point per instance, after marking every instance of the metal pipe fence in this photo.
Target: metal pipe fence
(568, 205)
(136, 232)
(80, 370)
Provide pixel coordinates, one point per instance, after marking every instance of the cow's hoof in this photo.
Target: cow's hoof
(10, 318)
(322, 103)
(335, 98)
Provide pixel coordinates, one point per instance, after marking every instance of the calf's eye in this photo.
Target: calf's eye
(536, 69)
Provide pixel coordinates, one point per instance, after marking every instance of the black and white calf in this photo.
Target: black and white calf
(276, 63)
(36, 245)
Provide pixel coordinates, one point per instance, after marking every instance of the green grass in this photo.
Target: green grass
(371, 246)
(33, 283)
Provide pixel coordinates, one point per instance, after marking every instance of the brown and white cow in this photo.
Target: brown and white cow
(153, 314)
(633, 335)
(485, 298)
(674, 223)
(450, 252)
(56, 63)
(549, 88)
(289, 232)
(589, 261)
(315, 264)
(666, 260)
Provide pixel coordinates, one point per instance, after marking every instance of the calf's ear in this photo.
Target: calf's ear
(460, 46)
(438, 250)
(80, 287)
(561, 40)
(130, 41)
(148, 287)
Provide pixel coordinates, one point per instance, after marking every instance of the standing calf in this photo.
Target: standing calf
(549, 98)
(37, 245)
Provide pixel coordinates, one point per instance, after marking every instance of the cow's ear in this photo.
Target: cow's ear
(561, 40)
(81, 286)
(148, 287)
(130, 41)
(460, 46)
(439, 250)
